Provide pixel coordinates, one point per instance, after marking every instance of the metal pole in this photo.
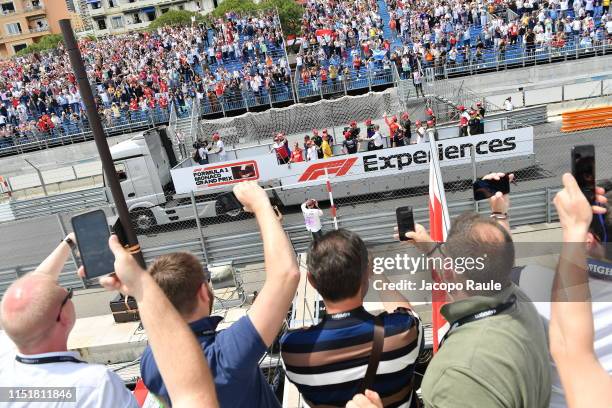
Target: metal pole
(40, 177)
(473, 157)
(76, 61)
(198, 223)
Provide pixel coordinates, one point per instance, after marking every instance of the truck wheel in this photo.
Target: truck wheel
(143, 220)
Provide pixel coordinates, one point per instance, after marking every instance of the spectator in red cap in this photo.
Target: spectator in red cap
(421, 134)
(219, 147)
(431, 115)
(464, 120)
(355, 130)
(406, 126)
(350, 144)
(281, 149)
(393, 130)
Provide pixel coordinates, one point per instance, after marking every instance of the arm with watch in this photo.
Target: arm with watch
(54, 263)
(499, 202)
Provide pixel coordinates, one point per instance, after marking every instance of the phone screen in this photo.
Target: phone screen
(405, 222)
(484, 189)
(583, 169)
(92, 233)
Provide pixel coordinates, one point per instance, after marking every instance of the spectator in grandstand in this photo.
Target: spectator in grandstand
(330, 372)
(508, 106)
(375, 142)
(233, 354)
(192, 384)
(417, 80)
(38, 315)
(489, 328)
(572, 335)
(297, 154)
(312, 218)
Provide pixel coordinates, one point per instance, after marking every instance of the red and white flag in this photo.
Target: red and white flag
(439, 224)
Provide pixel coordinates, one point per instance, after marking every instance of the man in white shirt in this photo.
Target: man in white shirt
(508, 106)
(312, 218)
(219, 147)
(312, 153)
(376, 139)
(37, 315)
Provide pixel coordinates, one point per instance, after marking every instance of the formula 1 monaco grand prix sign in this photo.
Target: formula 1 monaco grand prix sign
(451, 152)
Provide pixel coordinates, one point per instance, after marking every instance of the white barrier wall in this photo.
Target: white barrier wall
(544, 95)
(581, 90)
(498, 100)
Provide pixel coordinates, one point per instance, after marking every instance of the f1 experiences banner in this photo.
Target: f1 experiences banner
(451, 152)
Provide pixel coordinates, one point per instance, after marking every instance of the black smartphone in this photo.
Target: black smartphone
(405, 222)
(484, 189)
(92, 233)
(583, 169)
(227, 202)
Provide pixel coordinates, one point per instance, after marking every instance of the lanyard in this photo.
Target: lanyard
(47, 360)
(483, 314)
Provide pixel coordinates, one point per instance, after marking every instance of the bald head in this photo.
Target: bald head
(29, 312)
(473, 236)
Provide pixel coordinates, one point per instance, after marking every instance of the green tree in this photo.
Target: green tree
(289, 11)
(174, 18)
(47, 42)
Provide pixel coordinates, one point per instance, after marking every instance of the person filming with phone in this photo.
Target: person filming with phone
(312, 218)
(38, 315)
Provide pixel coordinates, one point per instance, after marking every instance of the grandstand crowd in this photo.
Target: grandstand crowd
(240, 61)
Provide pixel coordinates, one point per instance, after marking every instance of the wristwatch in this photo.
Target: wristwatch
(70, 242)
(499, 216)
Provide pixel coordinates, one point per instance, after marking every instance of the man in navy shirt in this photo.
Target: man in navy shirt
(233, 354)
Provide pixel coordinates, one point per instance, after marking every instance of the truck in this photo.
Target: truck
(158, 188)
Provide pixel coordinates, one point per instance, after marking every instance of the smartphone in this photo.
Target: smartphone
(583, 169)
(405, 222)
(484, 189)
(227, 202)
(92, 233)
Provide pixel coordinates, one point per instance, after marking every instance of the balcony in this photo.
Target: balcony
(31, 10)
(28, 33)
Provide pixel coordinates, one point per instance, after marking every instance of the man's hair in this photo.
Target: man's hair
(476, 237)
(338, 265)
(180, 275)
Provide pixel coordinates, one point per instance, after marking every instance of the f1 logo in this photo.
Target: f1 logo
(336, 167)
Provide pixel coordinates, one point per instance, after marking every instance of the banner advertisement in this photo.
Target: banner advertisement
(451, 152)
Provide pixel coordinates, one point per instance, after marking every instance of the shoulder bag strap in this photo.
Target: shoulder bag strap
(377, 348)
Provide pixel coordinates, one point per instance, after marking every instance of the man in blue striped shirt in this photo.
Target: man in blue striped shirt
(328, 362)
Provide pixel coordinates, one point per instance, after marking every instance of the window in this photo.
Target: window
(95, 5)
(13, 28)
(8, 8)
(101, 24)
(117, 22)
(19, 47)
(164, 10)
(112, 3)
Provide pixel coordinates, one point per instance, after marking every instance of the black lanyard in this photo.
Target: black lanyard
(47, 360)
(483, 314)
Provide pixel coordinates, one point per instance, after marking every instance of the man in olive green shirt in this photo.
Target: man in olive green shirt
(496, 352)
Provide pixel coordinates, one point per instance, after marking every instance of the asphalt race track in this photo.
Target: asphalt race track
(29, 241)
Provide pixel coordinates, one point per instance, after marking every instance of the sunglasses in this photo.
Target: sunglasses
(68, 296)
